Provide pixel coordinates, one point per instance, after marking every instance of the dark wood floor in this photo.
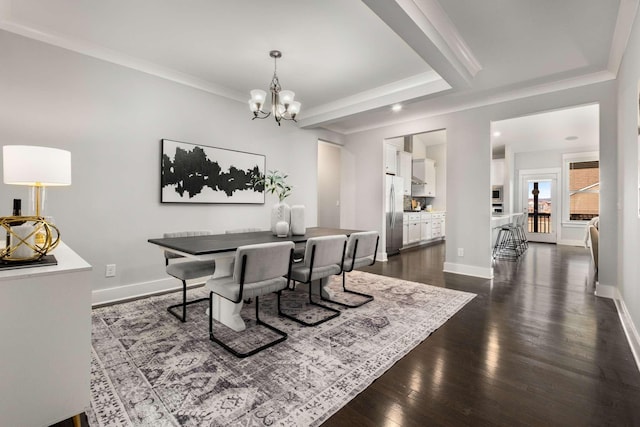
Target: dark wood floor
(534, 348)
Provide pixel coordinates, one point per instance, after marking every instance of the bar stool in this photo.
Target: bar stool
(508, 244)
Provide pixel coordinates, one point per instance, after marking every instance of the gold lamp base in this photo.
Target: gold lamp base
(29, 238)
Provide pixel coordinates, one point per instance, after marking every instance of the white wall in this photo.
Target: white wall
(439, 154)
(112, 119)
(628, 286)
(468, 174)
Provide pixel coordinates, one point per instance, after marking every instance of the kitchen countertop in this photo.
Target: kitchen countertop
(503, 219)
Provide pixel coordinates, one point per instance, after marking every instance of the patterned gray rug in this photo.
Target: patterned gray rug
(148, 369)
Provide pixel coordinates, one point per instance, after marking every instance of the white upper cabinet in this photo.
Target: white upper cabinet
(497, 172)
(404, 162)
(390, 159)
(424, 170)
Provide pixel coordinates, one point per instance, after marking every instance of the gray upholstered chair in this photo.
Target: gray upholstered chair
(244, 230)
(323, 257)
(186, 270)
(362, 248)
(258, 270)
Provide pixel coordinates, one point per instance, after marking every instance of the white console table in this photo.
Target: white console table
(45, 341)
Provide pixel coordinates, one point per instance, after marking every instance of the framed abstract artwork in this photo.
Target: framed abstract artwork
(193, 173)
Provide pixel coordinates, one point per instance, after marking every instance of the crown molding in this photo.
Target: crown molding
(624, 24)
(105, 54)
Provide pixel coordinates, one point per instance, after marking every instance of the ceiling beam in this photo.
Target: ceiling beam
(428, 30)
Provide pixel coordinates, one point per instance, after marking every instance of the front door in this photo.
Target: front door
(539, 203)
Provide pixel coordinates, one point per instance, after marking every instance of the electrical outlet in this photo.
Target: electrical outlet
(110, 270)
(460, 251)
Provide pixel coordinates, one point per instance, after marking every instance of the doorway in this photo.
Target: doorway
(539, 202)
(329, 164)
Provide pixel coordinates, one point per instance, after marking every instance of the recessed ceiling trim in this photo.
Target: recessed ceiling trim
(410, 88)
(624, 23)
(115, 57)
(593, 78)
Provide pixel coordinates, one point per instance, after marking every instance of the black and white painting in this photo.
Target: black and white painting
(193, 173)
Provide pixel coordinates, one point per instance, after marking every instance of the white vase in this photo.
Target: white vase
(297, 220)
(282, 229)
(280, 212)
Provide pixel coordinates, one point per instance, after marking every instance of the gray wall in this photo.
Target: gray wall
(629, 232)
(112, 119)
(439, 154)
(468, 174)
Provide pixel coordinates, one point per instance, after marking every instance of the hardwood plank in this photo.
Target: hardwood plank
(535, 347)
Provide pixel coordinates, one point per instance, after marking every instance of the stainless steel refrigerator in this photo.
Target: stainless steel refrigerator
(393, 213)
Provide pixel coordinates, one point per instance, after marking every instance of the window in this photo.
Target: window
(582, 188)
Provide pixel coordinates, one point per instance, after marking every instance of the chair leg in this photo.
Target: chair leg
(368, 298)
(335, 312)
(184, 304)
(282, 335)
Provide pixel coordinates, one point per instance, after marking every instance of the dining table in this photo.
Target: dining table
(220, 248)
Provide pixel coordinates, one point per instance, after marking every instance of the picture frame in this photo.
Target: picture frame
(196, 173)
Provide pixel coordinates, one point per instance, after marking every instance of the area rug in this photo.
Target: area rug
(149, 369)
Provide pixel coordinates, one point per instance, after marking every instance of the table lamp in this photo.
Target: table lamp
(37, 167)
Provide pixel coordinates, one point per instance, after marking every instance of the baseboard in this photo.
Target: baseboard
(468, 270)
(137, 290)
(629, 329)
(579, 243)
(606, 291)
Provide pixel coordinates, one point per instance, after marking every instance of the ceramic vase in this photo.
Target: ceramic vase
(297, 220)
(282, 229)
(280, 212)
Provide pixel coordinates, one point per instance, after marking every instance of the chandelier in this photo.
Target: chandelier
(283, 107)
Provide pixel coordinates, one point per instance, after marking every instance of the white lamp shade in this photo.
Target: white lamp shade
(286, 96)
(258, 96)
(33, 165)
(253, 106)
(294, 108)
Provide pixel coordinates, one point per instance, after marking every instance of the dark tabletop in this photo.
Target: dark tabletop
(216, 243)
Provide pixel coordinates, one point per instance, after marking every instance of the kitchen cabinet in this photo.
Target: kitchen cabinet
(424, 170)
(404, 162)
(437, 225)
(425, 226)
(405, 230)
(390, 159)
(422, 227)
(497, 172)
(414, 228)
